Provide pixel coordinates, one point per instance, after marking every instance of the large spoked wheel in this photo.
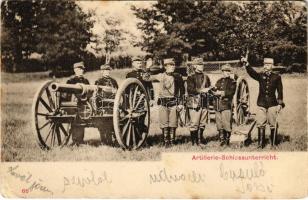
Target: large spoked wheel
(241, 102)
(131, 114)
(49, 131)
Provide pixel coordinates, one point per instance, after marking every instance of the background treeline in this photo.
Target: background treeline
(223, 30)
(43, 35)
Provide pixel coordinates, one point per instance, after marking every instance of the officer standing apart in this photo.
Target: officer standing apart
(76, 129)
(269, 104)
(225, 89)
(197, 86)
(171, 91)
(106, 129)
(138, 72)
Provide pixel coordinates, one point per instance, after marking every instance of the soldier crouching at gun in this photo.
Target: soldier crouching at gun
(198, 85)
(171, 91)
(223, 92)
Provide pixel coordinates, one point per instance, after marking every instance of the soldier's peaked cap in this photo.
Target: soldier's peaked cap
(268, 61)
(137, 58)
(79, 65)
(226, 67)
(169, 61)
(105, 67)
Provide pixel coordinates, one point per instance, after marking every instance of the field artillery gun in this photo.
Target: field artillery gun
(56, 106)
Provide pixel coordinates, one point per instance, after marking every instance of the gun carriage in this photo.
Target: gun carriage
(91, 105)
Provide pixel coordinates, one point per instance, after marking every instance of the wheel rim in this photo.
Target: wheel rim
(242, 102)
(50, 133)
(131, 115)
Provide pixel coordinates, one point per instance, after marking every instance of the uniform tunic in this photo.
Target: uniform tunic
(171, 88)
(222, 104)
(269, 84)
(198, 116)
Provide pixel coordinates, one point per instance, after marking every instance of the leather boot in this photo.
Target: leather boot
(272, 138)
(172, 136)
(192, 137)
(228, 135)
(166, 137)
(200, 136)
(259, 138)
(222, 137)
(261, 132)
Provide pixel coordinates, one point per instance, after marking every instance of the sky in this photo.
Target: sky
(120, 10)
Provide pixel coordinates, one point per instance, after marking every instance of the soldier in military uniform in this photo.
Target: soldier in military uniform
(197, 86)
(171, 90)
(138, 72)
(268, 103)
(76, 129)
(225, 89)
(106, 129)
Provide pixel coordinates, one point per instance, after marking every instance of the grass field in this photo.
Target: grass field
(18, 141)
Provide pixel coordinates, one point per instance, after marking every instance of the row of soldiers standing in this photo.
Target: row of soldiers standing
(172, 90)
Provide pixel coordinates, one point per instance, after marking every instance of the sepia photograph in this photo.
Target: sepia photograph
(129, 81)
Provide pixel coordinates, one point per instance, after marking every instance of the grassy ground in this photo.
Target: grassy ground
(18, 141)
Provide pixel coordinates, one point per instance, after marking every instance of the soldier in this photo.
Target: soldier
(197, 86)
(269, 104)
(106, 129)
(171, 89)
(76, 129)
(225, 89)
(138, 72)
(106, 80)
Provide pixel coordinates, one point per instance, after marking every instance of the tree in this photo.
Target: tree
(58, 30)
(223, 30)
(110, 38)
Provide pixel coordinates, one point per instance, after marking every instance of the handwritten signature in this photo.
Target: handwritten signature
(242, 173)
(92, 179)
(28, 178)
(167, 177)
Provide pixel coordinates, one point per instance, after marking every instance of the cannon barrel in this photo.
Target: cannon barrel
(78, 88)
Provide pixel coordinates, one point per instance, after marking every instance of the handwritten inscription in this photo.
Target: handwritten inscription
(249, 178)
(82, 181)
(33, 184)
(169, 177)
(241, 173)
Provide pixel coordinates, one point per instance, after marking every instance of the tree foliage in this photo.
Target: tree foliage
(220, 30)
(57, 30)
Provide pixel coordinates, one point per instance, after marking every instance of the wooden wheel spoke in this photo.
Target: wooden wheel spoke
(125, 128)
(63, 130)
(130, 99)
(45, 104)
(135, 96)
(57, 130)
(48, 122)
(52, 136)
(133, 135)
(43, 114)
(51, 103)
(139, 101)
(49, 131)
(128, 134)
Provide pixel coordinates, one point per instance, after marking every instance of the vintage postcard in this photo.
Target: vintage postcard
(153, 99)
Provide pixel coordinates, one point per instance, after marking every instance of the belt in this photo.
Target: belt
(167, 101)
